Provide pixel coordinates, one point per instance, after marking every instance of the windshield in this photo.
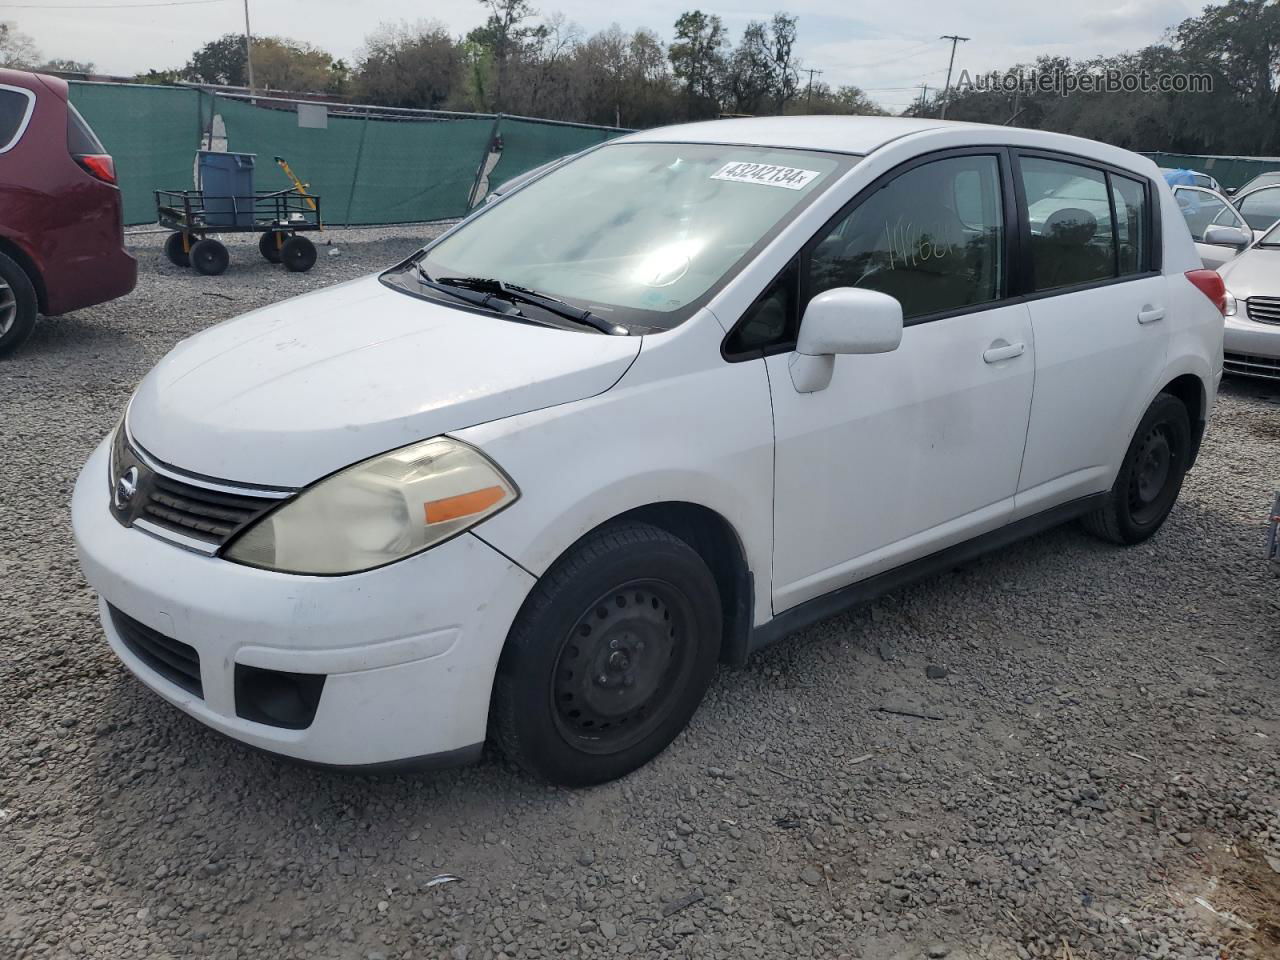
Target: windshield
(1271, 238)
(638, 233)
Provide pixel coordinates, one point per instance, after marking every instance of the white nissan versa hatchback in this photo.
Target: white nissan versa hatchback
(651, 410)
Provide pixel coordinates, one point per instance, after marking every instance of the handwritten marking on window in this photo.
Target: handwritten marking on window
(910, 245)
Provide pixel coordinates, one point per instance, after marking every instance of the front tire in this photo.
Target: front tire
(17, 306)
(609, 657)
(209, 257)
(1150, 476)
(298, 254)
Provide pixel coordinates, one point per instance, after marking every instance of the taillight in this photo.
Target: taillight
(1210, 284)
(99, 165)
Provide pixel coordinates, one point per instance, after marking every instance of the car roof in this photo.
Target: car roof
(844, 134)
(860, 136)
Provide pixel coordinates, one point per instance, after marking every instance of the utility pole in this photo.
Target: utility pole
(946, 94)
(924, 98)
(809, 96)
(248, 50)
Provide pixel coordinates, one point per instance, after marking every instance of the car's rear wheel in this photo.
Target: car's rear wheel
(209, 257)
(609, 657)
(298, 254)
(175, 249)
(1150, 476)
(17, 306)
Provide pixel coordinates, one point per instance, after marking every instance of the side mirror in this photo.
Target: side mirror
(1226, 236)
(843, 320)
(1230, 191)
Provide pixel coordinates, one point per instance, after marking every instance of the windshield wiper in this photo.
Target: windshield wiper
(487, 300)
(517, 294)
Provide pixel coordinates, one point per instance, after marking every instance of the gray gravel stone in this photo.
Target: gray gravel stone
(1055, 792)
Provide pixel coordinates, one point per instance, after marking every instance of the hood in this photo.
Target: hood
(1254, 273)
(287, 394)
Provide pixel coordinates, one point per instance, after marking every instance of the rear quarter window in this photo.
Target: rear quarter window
(15, 110)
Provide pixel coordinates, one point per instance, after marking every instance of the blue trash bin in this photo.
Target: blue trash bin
(227, 182)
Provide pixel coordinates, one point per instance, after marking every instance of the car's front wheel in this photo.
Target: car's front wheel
(17, 306)
(609, 657)
(1150, 476)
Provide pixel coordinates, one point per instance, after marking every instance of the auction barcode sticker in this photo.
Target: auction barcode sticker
(739, 171)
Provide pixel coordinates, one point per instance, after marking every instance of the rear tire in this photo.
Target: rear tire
(298, 254)
(268, 246)
(209, 257)
(609, 657)
(1150, 476)
(176, 250)
(18, 306)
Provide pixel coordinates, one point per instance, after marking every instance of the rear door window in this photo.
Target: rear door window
(15, 110)
(1070, 212)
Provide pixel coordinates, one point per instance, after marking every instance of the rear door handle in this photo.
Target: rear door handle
(1150, 314)
(1006, 351)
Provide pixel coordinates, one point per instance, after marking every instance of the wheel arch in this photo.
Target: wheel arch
(1191, 390)
(22, 259)
(716, 540)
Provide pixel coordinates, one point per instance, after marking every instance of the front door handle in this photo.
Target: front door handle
(1003, 351)
(1150, 314)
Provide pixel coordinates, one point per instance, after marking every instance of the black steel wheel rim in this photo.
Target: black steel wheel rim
(1151, 479)
(622, 665)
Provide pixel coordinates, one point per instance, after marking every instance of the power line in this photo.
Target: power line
(104, 6)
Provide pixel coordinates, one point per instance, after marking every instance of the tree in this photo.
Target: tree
(504, 37)
(278, 64)
(408, 65)
(220, 62)
(17, 50)
(698, 59)
(846, 100)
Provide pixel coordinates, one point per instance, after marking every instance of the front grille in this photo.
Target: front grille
(175, 661)
(1251, 366)
(1263, 309)
(208, 515)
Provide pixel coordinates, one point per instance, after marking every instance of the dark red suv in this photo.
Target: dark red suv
(61, 220)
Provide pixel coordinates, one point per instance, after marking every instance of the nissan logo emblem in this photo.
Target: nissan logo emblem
(126, 487)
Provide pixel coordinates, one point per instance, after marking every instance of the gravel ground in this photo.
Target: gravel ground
(1099, 748)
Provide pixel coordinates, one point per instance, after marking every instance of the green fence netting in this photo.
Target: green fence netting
(365, 170)
(381, 168)
(1228, 171)
(151, 132)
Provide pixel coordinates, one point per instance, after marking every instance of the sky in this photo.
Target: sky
(887, 49)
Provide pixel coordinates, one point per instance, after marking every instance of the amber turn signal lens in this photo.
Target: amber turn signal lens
(463, 505)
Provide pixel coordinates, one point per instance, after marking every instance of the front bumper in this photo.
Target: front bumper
(408, 650)
(1251, 348)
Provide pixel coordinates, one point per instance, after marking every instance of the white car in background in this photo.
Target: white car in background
(1251, 341)
(652, 410)
(1218, 229)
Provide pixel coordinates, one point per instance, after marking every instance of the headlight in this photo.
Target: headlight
(378, 511)
(1229, 305)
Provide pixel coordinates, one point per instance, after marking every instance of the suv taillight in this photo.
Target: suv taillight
(1210, 284)
(99, 165)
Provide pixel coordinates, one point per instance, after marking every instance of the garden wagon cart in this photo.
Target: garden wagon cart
(280, 217)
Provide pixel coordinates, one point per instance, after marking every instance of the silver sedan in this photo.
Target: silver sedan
(1251, 343)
